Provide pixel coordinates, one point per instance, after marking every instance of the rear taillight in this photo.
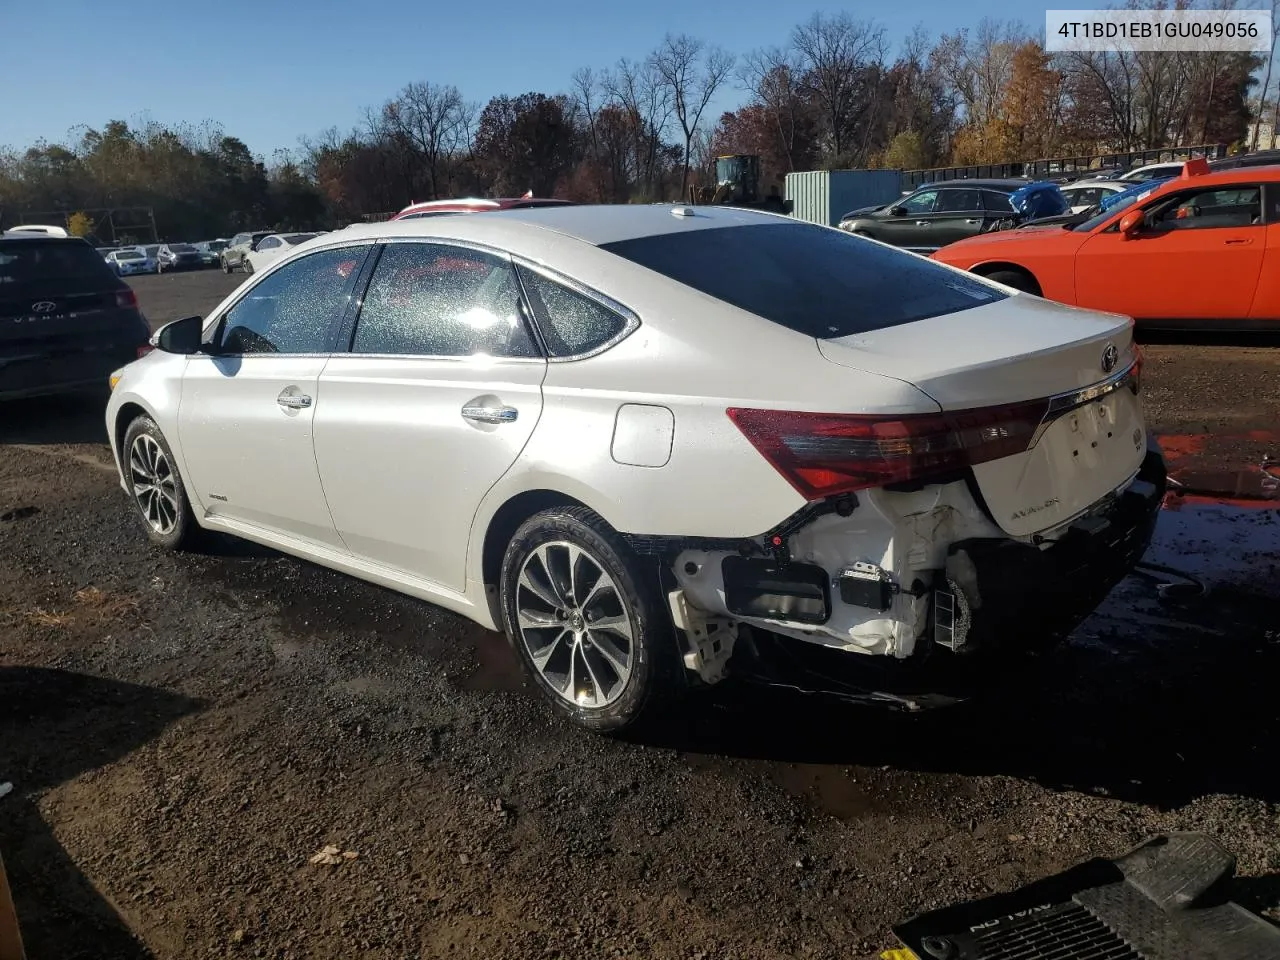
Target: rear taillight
(126, 298)
(823, 454)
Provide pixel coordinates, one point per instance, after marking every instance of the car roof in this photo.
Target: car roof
(590, 223)
(1011, 183)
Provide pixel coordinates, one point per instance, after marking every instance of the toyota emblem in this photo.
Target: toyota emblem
(1110, 357)
(44, 306)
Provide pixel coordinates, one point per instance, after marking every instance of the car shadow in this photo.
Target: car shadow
(69, 418)
(1213, 338)
(1161, 723)
(54, 726)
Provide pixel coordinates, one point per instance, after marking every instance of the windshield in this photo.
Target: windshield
(820, 282)
(150, 251)
(29, 261)
(181, 248)
(131, 255)
(213, 246)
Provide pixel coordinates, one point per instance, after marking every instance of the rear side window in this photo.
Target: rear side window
(38, 261)
(819, 282)
(571, 322)
(437, 300)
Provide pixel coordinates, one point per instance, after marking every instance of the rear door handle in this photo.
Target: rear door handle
(972, 222)
(293, 401)
(489, 414)
(1241, 240)
(922, 223)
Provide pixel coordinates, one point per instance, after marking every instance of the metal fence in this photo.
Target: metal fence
(1063, 166)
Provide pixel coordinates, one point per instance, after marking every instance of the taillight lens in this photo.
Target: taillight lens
(126, 298)
(823, 454)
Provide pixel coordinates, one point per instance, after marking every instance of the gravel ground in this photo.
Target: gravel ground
(184, 732)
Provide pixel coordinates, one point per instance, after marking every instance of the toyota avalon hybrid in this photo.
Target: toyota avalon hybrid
(632, 437)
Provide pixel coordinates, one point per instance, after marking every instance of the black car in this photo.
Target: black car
(936, 214)
(177, 256)
(66, 320)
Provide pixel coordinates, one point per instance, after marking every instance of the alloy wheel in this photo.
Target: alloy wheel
(574, 624)
(155, 485)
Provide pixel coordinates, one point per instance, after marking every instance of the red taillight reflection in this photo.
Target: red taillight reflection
(823, 454)
(144, 350)
(126, 298)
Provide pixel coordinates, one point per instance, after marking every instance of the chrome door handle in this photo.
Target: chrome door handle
(490, 414)
(293, 401)
(922, 223)
(972, 222)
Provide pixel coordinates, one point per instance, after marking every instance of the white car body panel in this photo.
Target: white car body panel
(383, 478)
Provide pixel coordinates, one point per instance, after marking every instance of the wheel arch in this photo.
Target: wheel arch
(997, 266)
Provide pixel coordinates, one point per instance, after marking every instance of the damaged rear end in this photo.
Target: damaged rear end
(992, 525)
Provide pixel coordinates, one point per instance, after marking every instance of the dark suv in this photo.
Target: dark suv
(66, 320)
(937, 214)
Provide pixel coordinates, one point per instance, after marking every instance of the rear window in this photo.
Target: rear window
(819, 282)
(38, 260)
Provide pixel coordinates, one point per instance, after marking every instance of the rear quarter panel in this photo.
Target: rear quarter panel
(1266, 300)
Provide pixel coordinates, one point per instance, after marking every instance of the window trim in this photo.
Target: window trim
(346, 338)
(631, 321)
(214, 326)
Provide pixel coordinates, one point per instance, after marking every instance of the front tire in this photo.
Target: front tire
(587, 619)
(226, 267)
(1016, 279)
(159, 495)
(246, 265)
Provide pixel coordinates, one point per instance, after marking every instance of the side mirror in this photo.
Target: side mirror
(1131, 223)
(897, 211)
(181, 336)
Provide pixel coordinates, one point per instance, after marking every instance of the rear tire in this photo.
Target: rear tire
(1016, 279)
(587, 620)
(246, 265)
(159, 495)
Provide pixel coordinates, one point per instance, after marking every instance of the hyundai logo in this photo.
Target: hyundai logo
(44, 306)
(1110, 357)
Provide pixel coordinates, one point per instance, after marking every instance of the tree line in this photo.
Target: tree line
(643, 129)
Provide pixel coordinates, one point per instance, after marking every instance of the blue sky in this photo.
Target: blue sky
(270, 71)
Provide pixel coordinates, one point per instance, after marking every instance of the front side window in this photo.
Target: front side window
(268, 243)
(922, 202)
(294, 309)
(436, 300)
(571, 322)
(1208, 209)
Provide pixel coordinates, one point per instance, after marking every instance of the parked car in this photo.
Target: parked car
(1111, 201)
(130, 261)
(104, 251)
(914, 479)
(234, 253)
(1083, 194)
(1261, 158)
(272, 248)
(941, 213)
(1192, 253)
(66, 320)
(39, 229)
(209, 250)
(1153, 171)
(436, 208)
(177, 256)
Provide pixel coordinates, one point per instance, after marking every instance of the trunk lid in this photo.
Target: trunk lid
(1011, 351)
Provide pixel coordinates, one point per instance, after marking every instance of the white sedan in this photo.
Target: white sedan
(273, 247)
(1084, 194)
(634, 437)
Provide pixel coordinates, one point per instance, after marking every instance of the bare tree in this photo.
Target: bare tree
(835, 53)
(637, 88)
(773, 76)
(435, 120)
(692, 72)
(1266, 78)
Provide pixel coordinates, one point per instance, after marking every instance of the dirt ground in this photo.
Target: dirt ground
(184, 732)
